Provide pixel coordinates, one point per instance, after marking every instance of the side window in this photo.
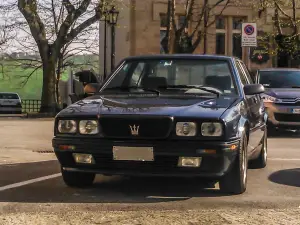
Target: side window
(246, 72)
(241, 73)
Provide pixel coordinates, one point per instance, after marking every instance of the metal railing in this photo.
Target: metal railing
(31, 105)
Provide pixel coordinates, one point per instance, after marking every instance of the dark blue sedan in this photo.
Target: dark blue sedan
(167, 115)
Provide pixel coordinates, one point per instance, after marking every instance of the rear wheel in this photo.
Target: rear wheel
(77, 179)
(235, 181)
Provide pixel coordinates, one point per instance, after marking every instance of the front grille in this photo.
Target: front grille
(147, 127)
(287, 117)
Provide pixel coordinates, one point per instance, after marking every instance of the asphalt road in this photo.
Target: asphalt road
(278, 185)
(37, 186)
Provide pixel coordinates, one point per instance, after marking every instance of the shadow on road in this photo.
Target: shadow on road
(113, 189)
(289, 177)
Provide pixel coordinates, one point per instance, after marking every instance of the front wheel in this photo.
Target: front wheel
(261, 161)
(77, 179)
(235, 181)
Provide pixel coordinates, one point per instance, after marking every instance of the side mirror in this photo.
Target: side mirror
(254, 89)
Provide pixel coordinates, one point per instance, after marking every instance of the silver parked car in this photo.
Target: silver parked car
(10, 103)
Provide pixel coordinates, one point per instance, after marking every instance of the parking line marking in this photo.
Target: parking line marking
(18, 163)
(283, 159)
(23, 183)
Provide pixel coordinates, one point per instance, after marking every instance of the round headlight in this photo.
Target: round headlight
(186, 129)
(88, 127)
(211, 129)
(67, 126)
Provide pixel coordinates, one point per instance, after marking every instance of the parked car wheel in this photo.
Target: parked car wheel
(261, 161)
(77, 179)
(235, 181)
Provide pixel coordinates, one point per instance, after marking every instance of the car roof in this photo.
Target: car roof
(9, 93)
(280, 69)
(180, 56)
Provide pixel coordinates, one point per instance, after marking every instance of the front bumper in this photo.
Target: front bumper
(282, 116)
(166, 155)
(10, 109)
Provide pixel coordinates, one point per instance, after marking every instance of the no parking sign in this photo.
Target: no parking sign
(249, 35)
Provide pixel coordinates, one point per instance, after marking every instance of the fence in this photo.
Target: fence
(30, 105)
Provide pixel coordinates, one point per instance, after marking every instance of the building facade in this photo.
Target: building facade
(142, 25)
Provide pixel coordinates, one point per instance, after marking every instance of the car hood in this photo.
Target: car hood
(283, 92)
(116, 105)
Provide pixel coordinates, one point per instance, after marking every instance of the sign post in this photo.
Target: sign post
(249, 37)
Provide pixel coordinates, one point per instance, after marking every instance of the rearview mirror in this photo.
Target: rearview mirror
(254, 89)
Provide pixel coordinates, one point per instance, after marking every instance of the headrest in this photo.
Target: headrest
(155, 82)
(221, 82)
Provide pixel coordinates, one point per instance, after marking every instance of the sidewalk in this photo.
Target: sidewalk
(21, 139)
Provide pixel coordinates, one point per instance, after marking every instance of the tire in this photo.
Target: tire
(235, 180)
(77, 179)
(272, 131)
(261, 161)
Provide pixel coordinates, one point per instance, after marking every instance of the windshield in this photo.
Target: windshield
(169, 75)
(8, 96)
(279, 79)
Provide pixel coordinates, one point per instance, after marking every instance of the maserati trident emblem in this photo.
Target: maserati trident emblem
(134, 130)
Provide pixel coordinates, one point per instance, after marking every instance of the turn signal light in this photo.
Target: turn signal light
(66, 147)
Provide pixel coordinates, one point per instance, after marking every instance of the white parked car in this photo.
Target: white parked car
(10, 103)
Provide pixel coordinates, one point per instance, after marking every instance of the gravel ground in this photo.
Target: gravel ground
(191, 217)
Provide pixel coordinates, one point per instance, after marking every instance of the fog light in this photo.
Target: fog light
(189, 161)
(83, 158)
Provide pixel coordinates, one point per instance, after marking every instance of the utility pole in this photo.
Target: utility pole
(205, 21)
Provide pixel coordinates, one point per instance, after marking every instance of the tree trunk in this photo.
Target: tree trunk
(49, 103)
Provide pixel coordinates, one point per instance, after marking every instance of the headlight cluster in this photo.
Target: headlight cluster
(208, 129)
(85, 126)
(268, 98)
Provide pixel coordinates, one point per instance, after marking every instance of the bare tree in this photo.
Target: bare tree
(286, 23)
(55, 29)
(197, 16)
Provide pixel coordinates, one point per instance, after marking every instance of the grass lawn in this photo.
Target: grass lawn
(11, 79)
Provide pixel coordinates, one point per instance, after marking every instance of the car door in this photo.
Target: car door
(253, 105)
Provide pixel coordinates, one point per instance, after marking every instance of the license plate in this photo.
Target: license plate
(296, 111)
(133, 153)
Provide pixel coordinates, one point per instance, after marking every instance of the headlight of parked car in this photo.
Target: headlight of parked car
(88, 127)
(268, 98)
(67, 126)
(186, 129)
(211, 129)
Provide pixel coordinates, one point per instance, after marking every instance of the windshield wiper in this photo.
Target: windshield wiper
(124, 88)
(203, 88)
(295, 86)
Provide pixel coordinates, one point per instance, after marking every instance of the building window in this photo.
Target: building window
(163, 20)
(164, 24)
(228, 36)
(220, 22)
(220, 43)
(181, 20)
(163, 30)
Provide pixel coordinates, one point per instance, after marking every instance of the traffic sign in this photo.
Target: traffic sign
(249, 35)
